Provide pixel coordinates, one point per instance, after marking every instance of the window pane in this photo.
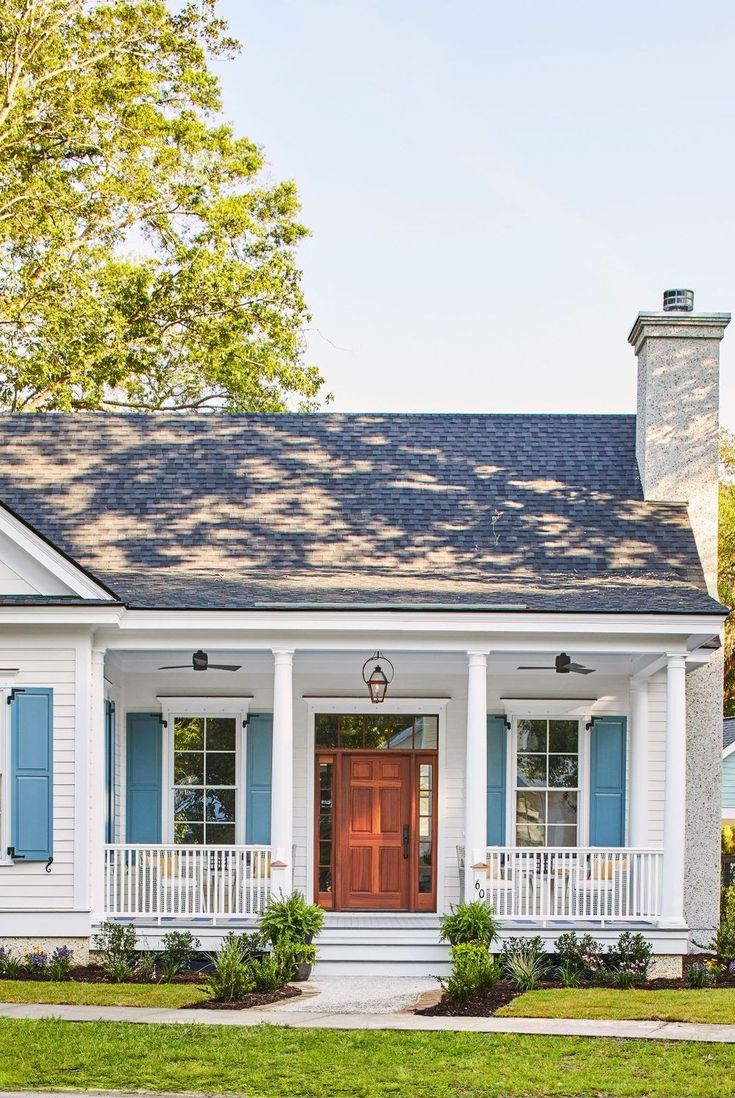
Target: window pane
(424, 879)
(220, 768)
(325, 827)
(189, 734)
(530, 808)
(188, 768)
(530, 835)
(424, 827)
(220, 805)
(189, 834)
(325, 737)
(427, 732)
(221, 834)
(563, 771)
(188, 805)
(221, 734)
(532, 735)
(562, 808)
(563, 735)
(531, 770)
(561, 836)
(325, 879)
(325, 853)
(424, 853)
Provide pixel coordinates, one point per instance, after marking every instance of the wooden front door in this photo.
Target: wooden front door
(374, 828)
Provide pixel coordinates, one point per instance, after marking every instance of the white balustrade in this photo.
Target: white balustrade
(572, 883)
(186, 882)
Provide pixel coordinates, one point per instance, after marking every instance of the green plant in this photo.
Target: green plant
(231, 976)
(581, 955)
(291, 917)
(36, 962)
(723, 943)
(569, 975)
(267, 974)
(701, 974)
(178, 948)
(289, 955)
(473, 973)
(628, 961)
(145, 965)
(524, 962)
(469, 922)
(10, 966)
(116, 943)
(59, 963)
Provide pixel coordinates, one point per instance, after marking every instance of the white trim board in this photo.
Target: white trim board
(45, 569)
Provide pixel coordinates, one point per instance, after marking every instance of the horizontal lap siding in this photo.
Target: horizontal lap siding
(728, 781)
(29, 887)
(656, 758)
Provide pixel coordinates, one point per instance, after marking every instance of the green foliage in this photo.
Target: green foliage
(723, 943)
(628, 961)
(145, 965)
(230, 978)
(703, 973)
(178, 948)
(10, 966)
(580, 955)
(474, 973)
(59, 963)
(291, 917)
(116, 943)
(524, 962)
(267, 974)
(569, 975)
(726, 560)
(145, 259)
(471, 922)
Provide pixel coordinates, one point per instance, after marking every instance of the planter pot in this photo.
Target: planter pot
(303, 972)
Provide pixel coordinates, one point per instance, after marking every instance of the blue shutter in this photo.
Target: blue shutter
(607, 793)
(497, 740)
(258, 778)
(109, 771)
(31, 762)
(144, 753)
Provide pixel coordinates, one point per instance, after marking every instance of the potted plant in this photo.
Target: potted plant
(471, 922)
(290, 924)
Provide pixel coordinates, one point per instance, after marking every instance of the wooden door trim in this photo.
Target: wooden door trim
(417, 901)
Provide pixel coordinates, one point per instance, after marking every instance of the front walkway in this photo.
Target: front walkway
(558, 1027)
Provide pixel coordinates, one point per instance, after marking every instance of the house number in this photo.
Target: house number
(480, 891)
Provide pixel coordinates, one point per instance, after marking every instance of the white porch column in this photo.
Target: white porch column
(475, 815)
(638, 820)
(282, 772)
(672, 911)
(97, 786)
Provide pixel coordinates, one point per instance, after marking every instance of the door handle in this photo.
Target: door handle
(405, 840)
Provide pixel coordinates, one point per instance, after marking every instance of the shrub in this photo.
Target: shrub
(291, 917)
(701, 974)
(627, 963)
(178, 949)
(569, 975)
(524, 962)
(471, 922)
(267, 974)
(36, 962)
(581, 955)
(230, 978)
(10, 966)
(473, 973)
(60, 963)
(723, 943)
(116, 943)
(145, 965)
(288, 956)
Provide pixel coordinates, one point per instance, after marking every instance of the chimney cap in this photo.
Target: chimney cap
(678, 301)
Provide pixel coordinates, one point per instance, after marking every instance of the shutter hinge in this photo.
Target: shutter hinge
(246, 722)
(162, 721)
(15, 690)
(12, 854)
(49, 863)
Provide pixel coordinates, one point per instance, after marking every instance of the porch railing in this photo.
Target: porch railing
(579, 883)
(186, 882)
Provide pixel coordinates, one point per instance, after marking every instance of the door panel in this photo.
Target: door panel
(376, 795)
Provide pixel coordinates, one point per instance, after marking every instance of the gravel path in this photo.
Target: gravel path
(357, 995)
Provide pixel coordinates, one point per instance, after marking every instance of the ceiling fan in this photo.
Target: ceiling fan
(563, 664)
(200, 662)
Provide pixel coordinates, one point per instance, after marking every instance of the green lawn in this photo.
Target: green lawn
(710, 1005)
(276, 1062)
(143, 995)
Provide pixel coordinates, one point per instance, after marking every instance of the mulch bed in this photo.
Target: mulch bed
(254, 999)
(477, 1007)
(94, 974)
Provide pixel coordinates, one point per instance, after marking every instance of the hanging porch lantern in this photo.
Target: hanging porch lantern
(375, 678)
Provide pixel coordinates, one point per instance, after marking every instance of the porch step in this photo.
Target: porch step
(381, 944)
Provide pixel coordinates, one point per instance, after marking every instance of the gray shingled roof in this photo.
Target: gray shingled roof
(530, 511)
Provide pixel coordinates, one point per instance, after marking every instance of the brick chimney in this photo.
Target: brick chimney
(678, 414)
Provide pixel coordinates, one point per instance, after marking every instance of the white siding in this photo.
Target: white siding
(656, 758)
(728, 782)
(29, 887)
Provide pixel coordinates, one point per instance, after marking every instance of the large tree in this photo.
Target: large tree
(144, 260)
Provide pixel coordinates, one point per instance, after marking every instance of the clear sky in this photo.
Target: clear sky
(494, 190)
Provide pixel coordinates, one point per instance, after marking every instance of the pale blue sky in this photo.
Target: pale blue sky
(495, 189)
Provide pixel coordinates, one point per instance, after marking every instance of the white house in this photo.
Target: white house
(187, 604)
